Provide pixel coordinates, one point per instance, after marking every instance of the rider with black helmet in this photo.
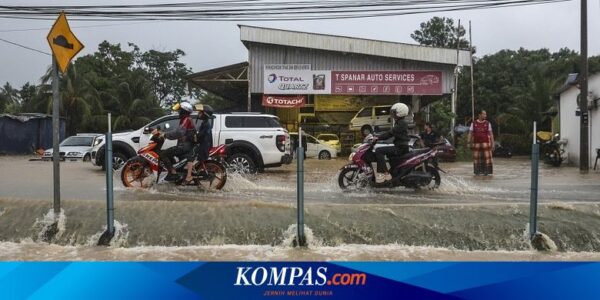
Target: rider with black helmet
(398, 111)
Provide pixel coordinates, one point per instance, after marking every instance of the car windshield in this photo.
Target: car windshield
(328, 138)
(78, 141)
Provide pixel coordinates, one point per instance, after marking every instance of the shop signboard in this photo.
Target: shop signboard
(295, 79)
(386, 82)
(350, 102)
(284, 101)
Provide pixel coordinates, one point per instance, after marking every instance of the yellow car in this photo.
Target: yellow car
(331, 140)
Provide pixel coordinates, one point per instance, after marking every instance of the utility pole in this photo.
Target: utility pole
(584, 165)
(472, 82)
(455, 90)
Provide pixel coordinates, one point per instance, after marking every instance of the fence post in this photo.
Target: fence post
(110, 218)
(301, 238)
(535, 155)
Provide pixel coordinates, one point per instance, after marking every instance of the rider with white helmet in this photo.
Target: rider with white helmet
(183, 134)
(399, 132)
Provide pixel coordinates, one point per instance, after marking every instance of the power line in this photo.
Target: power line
(85, 26)
(257, 10)
(23, 46)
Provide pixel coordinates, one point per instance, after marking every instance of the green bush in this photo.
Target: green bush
(521, 144)
(463, 153)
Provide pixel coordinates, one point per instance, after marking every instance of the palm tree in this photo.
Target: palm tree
(138, 105)
(9, 98)
(79, 100)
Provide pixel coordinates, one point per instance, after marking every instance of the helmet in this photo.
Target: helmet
(399, 110)
(186, 106)
(208, 111)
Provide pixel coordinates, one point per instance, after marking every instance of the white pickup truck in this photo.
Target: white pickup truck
(254, 141)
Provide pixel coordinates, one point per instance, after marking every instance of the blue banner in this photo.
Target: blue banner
(331, 280)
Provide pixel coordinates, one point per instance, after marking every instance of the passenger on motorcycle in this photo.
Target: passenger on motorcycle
(428, 136)
(400, 133)
(183, 135)
(202, 140)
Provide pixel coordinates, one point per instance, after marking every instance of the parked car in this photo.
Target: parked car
(330, 139)
(371, 119)
(376, 118)
(447, 152)
(314, 147)
(502, 150)
(76, 147)
(254, 141)
(311, 123)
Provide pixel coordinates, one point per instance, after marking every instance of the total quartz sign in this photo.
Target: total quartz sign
(296, 79)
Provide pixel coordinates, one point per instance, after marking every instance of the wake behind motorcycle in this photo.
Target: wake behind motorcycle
(138, 171)
(417, 169)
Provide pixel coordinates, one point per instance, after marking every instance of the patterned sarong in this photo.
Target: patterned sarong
(482, 159)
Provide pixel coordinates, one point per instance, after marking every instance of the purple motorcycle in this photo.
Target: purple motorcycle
(417, 169)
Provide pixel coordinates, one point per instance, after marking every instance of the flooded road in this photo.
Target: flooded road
(468, 218)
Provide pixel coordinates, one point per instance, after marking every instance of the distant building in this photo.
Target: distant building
(570, 127)
(25, 133)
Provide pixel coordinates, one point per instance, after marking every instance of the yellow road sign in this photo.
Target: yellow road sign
(63, 42)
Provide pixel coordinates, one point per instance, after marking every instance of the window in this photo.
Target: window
(78, 141)
(382, 111)
(365, 112)
(233, 122)
(311, 140)
(166, 125)
(251, 122)
(328, 137)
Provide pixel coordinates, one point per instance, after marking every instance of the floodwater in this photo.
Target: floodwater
(467, 218)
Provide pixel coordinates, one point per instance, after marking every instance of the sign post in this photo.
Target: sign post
(300, 238)
(64, 47)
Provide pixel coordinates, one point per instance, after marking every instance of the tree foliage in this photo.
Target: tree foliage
(134, 86)
(440, 32)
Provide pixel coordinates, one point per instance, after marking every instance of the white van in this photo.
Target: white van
(371, 119)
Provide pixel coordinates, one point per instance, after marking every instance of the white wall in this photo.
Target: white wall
(570, 124)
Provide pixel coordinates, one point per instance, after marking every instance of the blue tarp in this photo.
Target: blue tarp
(25, 133)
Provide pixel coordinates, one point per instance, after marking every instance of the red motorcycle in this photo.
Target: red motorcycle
(416, 169)
(138, 171)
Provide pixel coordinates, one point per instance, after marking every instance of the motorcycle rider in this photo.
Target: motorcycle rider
(399, 131)
(203, 140)
(183, 135)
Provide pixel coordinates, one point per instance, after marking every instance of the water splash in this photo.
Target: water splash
(118, 240)
(459, 186)
(50, 226)
(289, 236)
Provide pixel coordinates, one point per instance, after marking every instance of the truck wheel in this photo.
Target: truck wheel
(119, 160)
(366, 130)
(241, 163)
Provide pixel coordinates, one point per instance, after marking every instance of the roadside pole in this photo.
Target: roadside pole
(55, 137)
(110, 210)
(535, 155)
(301, 238)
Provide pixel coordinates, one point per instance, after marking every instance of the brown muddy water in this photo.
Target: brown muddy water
(468, 218)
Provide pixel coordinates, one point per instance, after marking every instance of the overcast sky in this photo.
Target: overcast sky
(213, 44)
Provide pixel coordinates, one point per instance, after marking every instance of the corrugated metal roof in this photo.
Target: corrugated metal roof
(352, 45)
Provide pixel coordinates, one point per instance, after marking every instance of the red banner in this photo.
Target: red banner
(386, 82)
(283, 101)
